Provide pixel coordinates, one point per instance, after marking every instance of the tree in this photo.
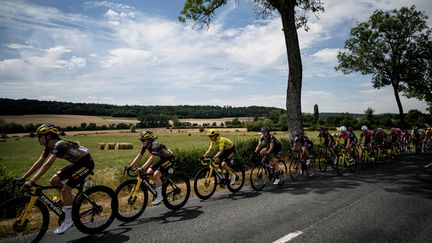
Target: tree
(316, 113)
(293, 15)
(393, 47)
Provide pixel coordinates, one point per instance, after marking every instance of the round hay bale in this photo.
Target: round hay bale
(101, 146)
(125, 146)
(110, 146)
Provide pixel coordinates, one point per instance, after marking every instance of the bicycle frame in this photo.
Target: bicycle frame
(213, 167)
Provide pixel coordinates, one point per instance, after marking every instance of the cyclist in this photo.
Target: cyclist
(367, 134)
(329, 141)
(303, 143)
(225, 153)
(160, 160)
(267, 145)
(346, 136)
(81, 166)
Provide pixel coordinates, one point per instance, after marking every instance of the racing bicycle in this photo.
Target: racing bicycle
(133, 195)
(28, 216)
(263, 172)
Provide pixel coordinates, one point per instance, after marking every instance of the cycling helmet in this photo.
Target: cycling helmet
(379, 129)
(342, 128)
(298, 133)
(212, 132)
(46, 129)
(393, 129)
(146, 134)
(265, 129)
(350, 129)
(364, 128)
(398, 129)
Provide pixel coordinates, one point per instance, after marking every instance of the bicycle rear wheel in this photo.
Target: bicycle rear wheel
(129, 207)
(175, 191)
(95, 209)
(258, 177)
(340, 168)
(32, 229)
(205, 183)
(310, 168)
(294, 169)
(322, 162)
(283, 172)
(240, 178)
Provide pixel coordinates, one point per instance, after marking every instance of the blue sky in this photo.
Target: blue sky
(137, 53)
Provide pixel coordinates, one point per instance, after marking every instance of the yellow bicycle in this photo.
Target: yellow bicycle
(209, 177)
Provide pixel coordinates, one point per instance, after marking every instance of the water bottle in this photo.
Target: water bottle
(57, 201)
(271, 170)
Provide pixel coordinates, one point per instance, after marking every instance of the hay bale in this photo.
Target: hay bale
(110, 146)
(125, 146)
(101, 146)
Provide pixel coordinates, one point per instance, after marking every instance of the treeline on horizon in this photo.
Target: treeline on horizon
(29, 107)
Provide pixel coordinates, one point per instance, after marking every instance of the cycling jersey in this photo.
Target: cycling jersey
(223, 143)
(270, 139)
(303, 141)
(368, 134)
(68, 150)
(157, 149)
(380, 137)
(328, 139)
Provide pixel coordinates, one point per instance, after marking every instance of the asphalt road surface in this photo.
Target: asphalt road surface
(390, 203)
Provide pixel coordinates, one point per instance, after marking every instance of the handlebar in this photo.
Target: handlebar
(132, 172)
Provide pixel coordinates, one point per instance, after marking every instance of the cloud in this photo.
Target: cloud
(125, 57)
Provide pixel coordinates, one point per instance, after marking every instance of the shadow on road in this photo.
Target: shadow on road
(115, 235)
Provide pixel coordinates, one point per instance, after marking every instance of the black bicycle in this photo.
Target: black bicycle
(93, 210)
(263, 172)
(133, 196)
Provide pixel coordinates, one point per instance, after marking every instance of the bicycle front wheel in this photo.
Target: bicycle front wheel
(95, 209)
(322, 162)
(340, 167)
(176, 191)
(130, 205)
(32, 229)
(294, 169)
(258, 177)
(240, 178)
(205, 184)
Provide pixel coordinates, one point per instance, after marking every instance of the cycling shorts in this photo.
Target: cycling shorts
(76, 172)
(163, 164)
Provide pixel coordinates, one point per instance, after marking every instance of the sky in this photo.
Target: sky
(133, 52)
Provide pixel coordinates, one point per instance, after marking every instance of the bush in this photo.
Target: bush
(7, 187)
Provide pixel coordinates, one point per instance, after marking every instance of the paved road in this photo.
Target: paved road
(390, 203)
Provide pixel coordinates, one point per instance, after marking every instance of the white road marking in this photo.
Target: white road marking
(288, 237)
(426, 166)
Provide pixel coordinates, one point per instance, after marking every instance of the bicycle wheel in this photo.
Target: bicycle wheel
(240, 178)
(130, 208)
(258, 177)
(95, 209)
(340, 167)
(294, 169)
(204, 183)
(310, 168)
(364, 157)
(322, 162)
(283, 172)
(175, 191)
(32, 229)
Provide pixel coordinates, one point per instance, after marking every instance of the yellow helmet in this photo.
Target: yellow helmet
(212, 132)
(146, 134)
(47, 128)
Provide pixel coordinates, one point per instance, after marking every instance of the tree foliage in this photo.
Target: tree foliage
(293, 15)
(395, 48)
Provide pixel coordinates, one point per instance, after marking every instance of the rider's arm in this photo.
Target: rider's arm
(258, 147)
(208, 150)
(44, 167)
(149, 162)
(136, 160)
(36, 166)
(270, 148)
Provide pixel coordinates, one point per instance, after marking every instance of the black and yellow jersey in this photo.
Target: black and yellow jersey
(68, 150)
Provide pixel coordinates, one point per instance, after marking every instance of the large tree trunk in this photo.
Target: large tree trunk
(293, 98)
(401, 113)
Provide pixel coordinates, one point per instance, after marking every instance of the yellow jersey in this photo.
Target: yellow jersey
(223, 143)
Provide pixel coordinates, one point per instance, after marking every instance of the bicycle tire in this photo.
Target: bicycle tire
(294, 169)
(204, 184)
(283, 172)
(258, 177)
(322, 162)
(340, 168)
(90, 203)
(11, 210)
(130, 209)
(364, 157)
(175, 191)
(310, 168)
(240, 173)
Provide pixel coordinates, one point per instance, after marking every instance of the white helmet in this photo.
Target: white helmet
(342, 128)
(364, 128)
